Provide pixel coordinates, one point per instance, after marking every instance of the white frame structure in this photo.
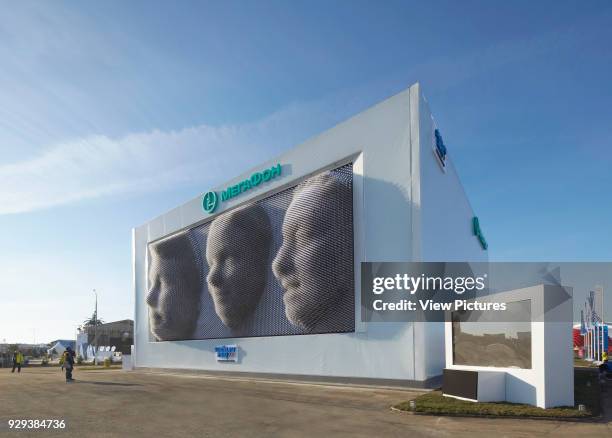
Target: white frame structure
(550, 380)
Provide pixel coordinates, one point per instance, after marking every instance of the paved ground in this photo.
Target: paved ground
(134, 404)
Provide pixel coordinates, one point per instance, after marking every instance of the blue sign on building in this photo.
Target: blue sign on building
(440, 148)
(226, 353)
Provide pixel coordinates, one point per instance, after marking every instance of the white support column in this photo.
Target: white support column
(588, 344)
(599, 341)
(596, 342)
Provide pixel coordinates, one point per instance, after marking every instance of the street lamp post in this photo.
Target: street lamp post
(96, 329)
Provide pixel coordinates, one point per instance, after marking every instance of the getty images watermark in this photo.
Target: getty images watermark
(481, 291)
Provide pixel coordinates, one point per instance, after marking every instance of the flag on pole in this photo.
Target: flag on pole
(593, 305)
(598, 303)
(587, 320)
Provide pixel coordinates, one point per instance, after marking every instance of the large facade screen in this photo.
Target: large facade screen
(282, 265)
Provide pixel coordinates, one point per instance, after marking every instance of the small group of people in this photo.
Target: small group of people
(67, 362)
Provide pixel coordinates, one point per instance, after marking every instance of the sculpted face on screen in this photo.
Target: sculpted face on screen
(174, 288)
(314, 263)
(237, 252)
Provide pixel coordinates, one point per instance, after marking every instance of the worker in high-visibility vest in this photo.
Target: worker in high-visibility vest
(67, 362)
(17, 361)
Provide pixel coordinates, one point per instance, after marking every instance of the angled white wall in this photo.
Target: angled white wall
(442, 221)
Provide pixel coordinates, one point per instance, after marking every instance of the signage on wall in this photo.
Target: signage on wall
(440, 149)
(210, 200)
(226, 353)
(478, 233)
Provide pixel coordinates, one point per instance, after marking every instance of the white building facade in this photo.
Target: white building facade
(407, 205)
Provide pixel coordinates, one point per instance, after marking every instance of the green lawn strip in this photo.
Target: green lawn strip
(435, 403)
(583, 363)
(96, 367)
(78, 367)
(586, 391)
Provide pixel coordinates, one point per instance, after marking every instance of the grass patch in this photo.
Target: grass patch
(85, 367)
(583, 363)
(586, 391)
(96, 367)
(435, 403)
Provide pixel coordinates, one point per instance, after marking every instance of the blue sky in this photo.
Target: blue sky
(113, 112)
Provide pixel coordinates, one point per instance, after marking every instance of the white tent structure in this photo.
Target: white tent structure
(103, 353)
(58, 348)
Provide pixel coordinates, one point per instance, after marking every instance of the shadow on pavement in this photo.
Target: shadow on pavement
(606, 402)
(89, 382)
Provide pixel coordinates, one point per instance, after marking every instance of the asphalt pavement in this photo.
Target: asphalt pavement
(103, 403)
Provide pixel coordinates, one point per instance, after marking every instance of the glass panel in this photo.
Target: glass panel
(493, 344)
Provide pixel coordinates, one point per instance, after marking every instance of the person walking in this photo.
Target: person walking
(17, 361)
(68, 363)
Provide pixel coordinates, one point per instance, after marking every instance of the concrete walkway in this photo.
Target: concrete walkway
(134, 404)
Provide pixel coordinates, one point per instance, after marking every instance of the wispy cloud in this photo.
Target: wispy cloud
(98, 165)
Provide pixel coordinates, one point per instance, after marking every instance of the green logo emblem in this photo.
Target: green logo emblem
(210, 202)
(478, 233)
(211, 199)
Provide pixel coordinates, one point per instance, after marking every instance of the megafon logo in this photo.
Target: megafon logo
(478, 233)
(210, 202)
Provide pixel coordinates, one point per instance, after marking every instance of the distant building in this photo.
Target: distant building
(119, 334)
(579, 339)
(64, 342)
(4, 348)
